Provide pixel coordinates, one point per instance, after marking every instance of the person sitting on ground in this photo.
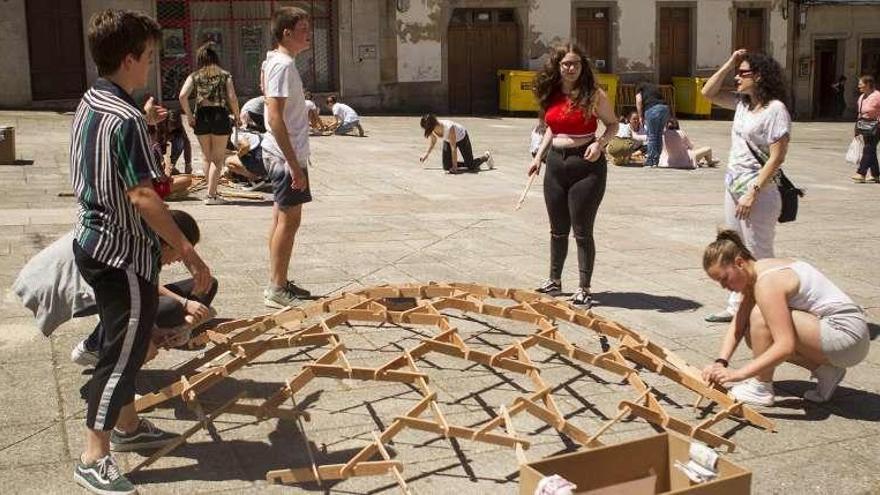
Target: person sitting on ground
(175, 134)
(316, 124)
(789, 312)
(455, 137)
(630, 139)
(247, 162)
(253, 114)
(346, 118)
(679, 152)
(177, 185)
(53, 289)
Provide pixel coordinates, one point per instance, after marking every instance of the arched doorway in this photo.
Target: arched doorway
(480, 41)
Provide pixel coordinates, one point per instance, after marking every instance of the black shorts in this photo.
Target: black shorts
(213, 120)
(279, 174)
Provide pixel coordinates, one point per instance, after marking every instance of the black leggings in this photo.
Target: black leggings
(466, 153)
(573, 191)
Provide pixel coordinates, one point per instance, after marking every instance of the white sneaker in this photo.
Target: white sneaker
(490, 162)
(82, 356)
(753, 392)
(214, 200)
(827, 377)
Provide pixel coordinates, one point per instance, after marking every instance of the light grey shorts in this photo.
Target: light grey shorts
(845, 338)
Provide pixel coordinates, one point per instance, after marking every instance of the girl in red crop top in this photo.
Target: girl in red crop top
(566, 119)
(574, 184)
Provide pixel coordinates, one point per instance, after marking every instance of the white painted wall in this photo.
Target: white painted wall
(549, 25)
(636, 24)
(419, 59)
(15, 72)
(359, 48)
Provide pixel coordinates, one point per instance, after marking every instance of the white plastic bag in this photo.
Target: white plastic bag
(854, 153)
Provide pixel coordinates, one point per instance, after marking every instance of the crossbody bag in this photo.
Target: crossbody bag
(866, 127)
(787, 190)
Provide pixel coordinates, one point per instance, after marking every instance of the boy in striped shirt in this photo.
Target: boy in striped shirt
(116, 248)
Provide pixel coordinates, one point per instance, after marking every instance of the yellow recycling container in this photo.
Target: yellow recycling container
(688, 96)
(608, 83)
(515, 90)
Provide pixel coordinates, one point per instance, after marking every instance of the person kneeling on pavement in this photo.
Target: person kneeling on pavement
(53, 289)
(789, 312)
(246, 165)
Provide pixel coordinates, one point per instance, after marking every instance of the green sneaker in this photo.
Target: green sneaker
(146, 436)
(102, 477)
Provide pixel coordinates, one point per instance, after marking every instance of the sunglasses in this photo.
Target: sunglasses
(744, 73)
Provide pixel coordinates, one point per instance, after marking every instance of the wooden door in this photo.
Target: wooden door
(750, 30)
(675, 43)
(480, 42)
(825, 76)
(55, 41)
(593, 32)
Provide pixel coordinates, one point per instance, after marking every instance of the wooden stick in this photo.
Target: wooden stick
(188, 433)
(394, 470)
(522, 196)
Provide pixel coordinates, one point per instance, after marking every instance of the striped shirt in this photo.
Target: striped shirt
(110, 154)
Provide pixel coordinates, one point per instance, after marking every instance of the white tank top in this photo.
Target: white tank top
(816, 293)
(460, 131)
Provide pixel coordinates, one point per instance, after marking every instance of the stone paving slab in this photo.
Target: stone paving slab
(379, 216)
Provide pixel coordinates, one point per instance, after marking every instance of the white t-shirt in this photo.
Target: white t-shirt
(460, 131)
(282, 80)
(761, 130)
(345, 113)
(311, 107)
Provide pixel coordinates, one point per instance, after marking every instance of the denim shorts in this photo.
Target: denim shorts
(279, 174)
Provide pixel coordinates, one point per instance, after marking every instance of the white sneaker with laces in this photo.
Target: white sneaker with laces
(753, 392)
(84, 356)
(490, 161)
(827, 377)
(215, 200)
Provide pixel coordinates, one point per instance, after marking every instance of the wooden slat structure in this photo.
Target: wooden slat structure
(232, 346)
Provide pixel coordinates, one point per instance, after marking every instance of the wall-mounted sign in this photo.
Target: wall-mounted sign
(366, 52)
(804, 67)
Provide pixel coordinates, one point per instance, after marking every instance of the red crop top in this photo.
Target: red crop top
(563, 119)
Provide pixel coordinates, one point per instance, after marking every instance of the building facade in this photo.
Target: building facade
(443, 55)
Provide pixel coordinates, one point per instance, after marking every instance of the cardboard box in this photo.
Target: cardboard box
(643, 466)
(7, 144)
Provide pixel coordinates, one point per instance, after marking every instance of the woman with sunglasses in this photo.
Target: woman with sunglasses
(759, 142)
(572, 105)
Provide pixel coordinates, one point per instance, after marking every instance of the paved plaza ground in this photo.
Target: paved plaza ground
(379, 216)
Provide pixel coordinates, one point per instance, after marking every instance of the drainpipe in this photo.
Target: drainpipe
(794, 26)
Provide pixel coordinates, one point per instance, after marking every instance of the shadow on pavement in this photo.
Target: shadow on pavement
(641, 300)
(847, 403)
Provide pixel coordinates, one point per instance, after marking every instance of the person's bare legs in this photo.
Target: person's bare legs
(233, 163)
(218, 154)
(98, 441)
(808, 349)
(205, 145)
(704, 153)
(285, 224)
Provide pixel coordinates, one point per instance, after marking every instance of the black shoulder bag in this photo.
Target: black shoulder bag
(787, 190)
(866, 127)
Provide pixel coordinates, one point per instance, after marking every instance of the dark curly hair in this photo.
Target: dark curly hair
(769, 84)
(549, 80)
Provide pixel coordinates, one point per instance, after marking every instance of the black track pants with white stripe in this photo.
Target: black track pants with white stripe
(127, 309)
